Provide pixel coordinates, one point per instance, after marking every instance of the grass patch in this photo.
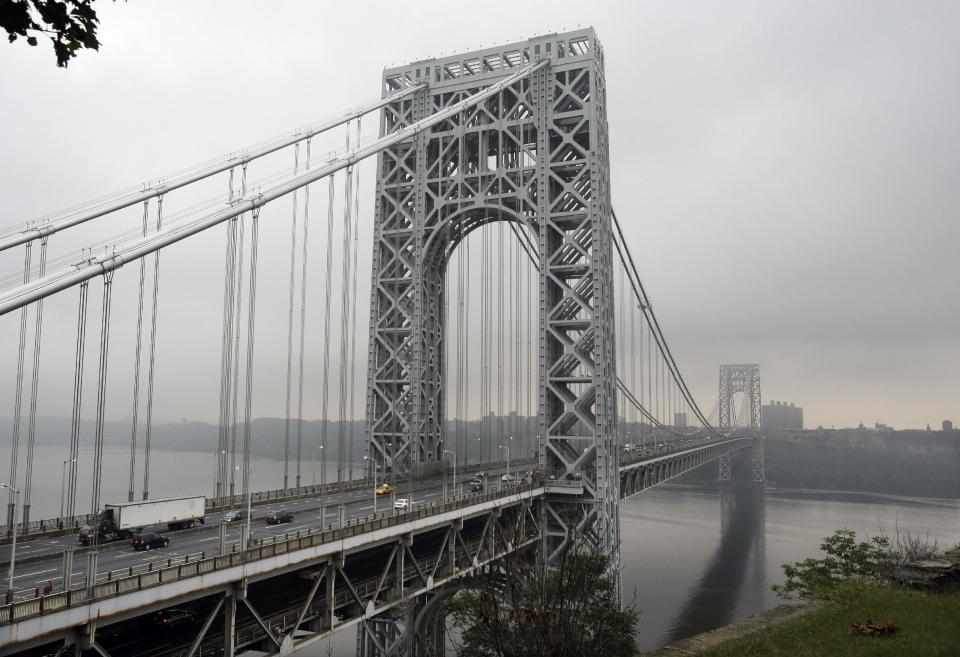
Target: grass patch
(928, 624)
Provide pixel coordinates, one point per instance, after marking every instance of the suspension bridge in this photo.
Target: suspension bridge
(506, 313)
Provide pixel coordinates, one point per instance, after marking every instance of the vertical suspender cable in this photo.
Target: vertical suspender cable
(98, 432)
(353, 307)
(325, 392)
(508, 293)
(18, 398)
(345, 319)
(466, 357)
(248, 386)
(633, 365)
(226, 360)
(235, 360)
(153, 350)
(532, 370)
(517, 367)
(649, 404)
(484, 236)
(34, 382)
(303, 317)
(136, 363)
(293, 268)
(461, 353)
(71, 493)
(500, 297)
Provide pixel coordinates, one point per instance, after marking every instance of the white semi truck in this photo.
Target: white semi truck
(124, 519)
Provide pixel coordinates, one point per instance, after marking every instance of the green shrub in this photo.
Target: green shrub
(847, 560)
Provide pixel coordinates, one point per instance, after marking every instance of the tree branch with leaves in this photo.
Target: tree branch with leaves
(71, 25)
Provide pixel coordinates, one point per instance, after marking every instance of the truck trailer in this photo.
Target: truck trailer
(124, 519)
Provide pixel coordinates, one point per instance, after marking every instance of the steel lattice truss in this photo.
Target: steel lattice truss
(535, 154)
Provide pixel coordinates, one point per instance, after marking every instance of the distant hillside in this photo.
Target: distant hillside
(919, 466)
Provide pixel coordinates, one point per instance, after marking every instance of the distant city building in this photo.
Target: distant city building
(947, 425)
(776, 416)
(680, 420)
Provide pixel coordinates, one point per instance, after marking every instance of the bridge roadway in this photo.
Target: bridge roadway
(40, 560)
(276, 569)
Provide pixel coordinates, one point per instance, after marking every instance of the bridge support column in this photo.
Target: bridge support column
(756, 457)
(230, 598)
(86, 637)
(725, 470)
(330, 590)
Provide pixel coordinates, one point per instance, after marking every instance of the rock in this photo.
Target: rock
(928, 573)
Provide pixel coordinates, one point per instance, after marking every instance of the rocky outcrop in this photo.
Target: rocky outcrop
(929, 573)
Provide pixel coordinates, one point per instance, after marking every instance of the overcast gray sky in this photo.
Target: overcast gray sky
(789, 174)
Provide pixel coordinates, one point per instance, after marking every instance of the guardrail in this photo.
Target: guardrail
(63, 526)
(116, 584)
(73, 523)
(670, 448)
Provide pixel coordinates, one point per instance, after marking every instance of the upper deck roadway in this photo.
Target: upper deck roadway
(451, 537)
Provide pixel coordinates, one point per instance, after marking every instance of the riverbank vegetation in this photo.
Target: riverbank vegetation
(517, 608)
(866, 613)
(925, 624)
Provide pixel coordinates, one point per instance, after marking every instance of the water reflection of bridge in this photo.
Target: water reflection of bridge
(736, 572)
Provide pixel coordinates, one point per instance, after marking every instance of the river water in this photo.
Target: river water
(693, 557)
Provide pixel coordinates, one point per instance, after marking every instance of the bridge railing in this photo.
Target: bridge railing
(114, 583)
(73, 523)
(59, 526)
(668, 448)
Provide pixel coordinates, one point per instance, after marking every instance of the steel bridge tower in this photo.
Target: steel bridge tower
(743, 378)
(535, 154)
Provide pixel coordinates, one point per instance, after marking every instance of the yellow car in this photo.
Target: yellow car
(384, 489)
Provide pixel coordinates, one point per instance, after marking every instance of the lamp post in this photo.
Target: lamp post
(447, 451)
(507, 448)
(246, 535)
(370, 458)
(63, 482)
(13, 543)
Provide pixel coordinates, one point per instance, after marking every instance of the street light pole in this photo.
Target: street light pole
(447, 451)
(63, 482)
(246, 534)
(13, 543)
(370, 458)
(507, 448)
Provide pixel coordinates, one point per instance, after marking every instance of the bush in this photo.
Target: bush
(870, 561)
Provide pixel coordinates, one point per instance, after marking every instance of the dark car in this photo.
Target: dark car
(148, 541)
(279, 517)
(174, 618)
(234, 516)
(476, 486)
(87, 534)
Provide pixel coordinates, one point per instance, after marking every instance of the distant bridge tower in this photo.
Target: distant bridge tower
(536, 154)
(743, 378)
